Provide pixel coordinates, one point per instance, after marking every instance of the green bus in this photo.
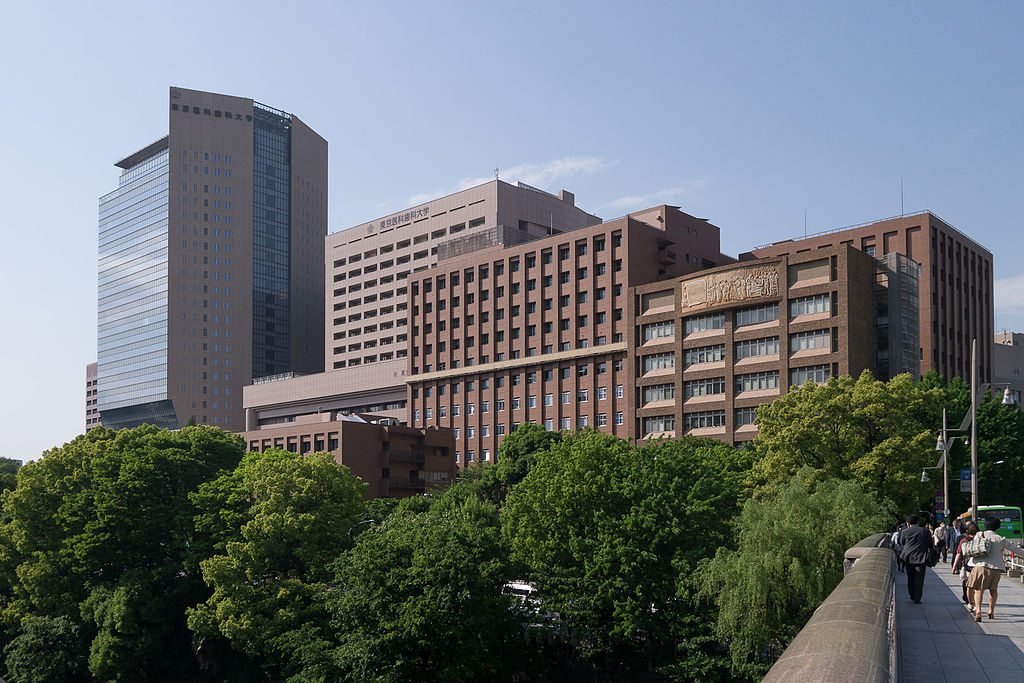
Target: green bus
(1008, 516)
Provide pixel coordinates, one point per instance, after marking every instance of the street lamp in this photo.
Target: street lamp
(944, 444)
(1007, 400)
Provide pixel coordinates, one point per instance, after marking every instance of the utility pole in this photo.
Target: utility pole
(974, 430)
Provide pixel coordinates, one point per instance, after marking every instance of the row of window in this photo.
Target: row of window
(819, 303)
(565, 398)
(754, 381)
(659, 424)
(715, 353)
(403, 244)
(516, 379)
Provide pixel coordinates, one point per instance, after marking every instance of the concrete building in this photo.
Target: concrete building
(956, 291)
(368, 268)
(394, 461)
(210, 263)
(707, 349)
(1008, 362)
(539, 332)
(92, 413)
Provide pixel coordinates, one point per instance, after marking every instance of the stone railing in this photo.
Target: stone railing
(851, 636)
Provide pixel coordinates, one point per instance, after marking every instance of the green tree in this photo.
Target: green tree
(880, 434)
(1000, 440)
(47, 650)
(420, 598)
(8, 473)
(293, 513)
(789, 557)
(612, 533)
(99, 532)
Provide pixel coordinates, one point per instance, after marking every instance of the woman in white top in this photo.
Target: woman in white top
(988, 568)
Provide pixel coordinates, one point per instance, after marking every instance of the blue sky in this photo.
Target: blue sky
(748, 114)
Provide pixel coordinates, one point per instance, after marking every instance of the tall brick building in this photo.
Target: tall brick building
(956, 290)
(539, 332)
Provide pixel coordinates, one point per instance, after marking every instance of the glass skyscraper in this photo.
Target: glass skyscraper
(211, 253)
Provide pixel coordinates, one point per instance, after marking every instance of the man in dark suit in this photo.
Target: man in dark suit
(917, 546)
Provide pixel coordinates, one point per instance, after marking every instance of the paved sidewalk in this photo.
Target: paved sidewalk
(940, 641)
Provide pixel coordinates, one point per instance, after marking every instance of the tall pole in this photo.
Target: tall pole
(945, 470)
(974, 430)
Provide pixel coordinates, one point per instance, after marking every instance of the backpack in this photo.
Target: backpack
(978, 547)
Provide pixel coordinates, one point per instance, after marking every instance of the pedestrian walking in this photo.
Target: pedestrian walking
(897, 546)
(941, 535)
(917, 548)
(963, 564)
(987, 549)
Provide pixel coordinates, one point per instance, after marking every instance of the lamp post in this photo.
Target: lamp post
(944, 444)
(974, 426)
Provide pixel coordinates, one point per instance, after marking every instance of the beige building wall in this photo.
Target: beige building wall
(1008, 361)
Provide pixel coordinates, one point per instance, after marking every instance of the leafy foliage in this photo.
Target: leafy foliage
(294, 514)
(789, 557)
(48, 650)
(97, 541)
(419, 598)
(880, 434)
(611, 534)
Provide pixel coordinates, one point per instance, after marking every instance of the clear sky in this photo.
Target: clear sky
(750, 114)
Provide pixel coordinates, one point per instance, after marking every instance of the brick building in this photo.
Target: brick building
(956, 290)
(395, 461)
(707, 349)
(538, 332)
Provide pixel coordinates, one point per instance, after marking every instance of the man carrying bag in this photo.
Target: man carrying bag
(917, 554)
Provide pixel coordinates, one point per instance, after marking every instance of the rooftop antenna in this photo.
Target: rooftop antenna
(496, 173)
(901, 198)
(805, 223)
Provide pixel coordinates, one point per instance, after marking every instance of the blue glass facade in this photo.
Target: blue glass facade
(133, 271)
(271, 305)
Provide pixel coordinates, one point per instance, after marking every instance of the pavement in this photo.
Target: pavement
(940, 641)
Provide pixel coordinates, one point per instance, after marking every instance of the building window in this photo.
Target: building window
(705, 354)
(618, 391)
(618, 418)
(602, 419)
(756, 381)
(757, 314)
(515, 403)
(709, 418)
(745, 416)
(703, 323)
(810, 304)
(814, 373)
(659, 424)
(659, 392)
(549, 425)
(658, 361)
(582, 421)
(766, 346)
(500, 404)
(659, 330)
(565, 397)
(531, 401)
(564, 423)
(705, 387)
(582, 395)
(549, 399)
(602, 393)
(816, 339)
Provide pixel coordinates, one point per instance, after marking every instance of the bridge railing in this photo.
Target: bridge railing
(852, 634)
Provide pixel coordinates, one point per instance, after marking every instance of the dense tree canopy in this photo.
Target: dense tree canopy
(789, 557)
(881, 434)
(281, 519)
(611, 534)
(97, 541)
(420, 598)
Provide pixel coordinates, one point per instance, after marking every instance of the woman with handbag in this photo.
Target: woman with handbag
(962, 564)
(987, 549)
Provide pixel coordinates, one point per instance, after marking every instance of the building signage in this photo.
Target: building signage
(731, 286)
(399, 219)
